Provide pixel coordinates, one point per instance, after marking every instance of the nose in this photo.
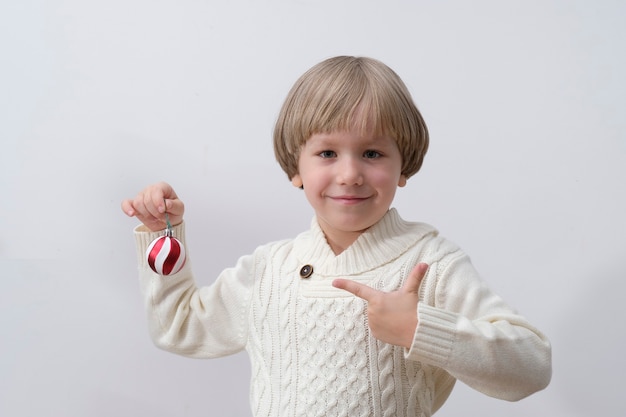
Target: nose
(349, 171)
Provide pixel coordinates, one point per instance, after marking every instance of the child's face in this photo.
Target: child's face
(350, 180)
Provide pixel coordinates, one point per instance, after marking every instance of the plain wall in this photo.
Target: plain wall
(525, 101)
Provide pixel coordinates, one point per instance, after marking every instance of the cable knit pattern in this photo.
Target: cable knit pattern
(310, 348)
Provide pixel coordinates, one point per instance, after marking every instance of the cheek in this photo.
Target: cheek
(385, 178)
(313, 194)
(314, 184)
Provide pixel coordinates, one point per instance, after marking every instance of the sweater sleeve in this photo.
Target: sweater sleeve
(197, 322)
(476, 337)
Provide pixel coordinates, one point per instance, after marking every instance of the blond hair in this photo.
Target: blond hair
(343, 93)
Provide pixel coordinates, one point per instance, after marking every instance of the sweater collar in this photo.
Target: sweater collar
(380, 244)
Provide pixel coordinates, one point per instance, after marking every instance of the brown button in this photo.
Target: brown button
(306, 271)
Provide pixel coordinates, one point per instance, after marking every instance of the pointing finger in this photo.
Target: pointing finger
(356, 288)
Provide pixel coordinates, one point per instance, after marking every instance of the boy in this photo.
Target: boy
(365, 314)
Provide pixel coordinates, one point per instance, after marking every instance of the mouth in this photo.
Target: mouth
(348, 199)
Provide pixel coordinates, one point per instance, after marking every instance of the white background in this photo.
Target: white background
(525, 101)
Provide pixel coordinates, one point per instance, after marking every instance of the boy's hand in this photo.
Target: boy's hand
(392, 315)
(150, 205)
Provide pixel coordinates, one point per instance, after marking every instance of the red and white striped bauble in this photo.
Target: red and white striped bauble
(166, 255)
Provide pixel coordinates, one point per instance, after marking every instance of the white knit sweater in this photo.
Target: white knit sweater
(310, 348)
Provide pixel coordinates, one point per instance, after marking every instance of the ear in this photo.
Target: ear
(296, 180)
(402, 181)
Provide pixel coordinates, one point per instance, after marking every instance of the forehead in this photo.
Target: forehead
(351, 138)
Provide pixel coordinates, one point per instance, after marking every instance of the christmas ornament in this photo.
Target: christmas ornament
(166, 255)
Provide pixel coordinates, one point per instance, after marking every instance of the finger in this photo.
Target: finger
(415, 277)
(143, 208)
(166, 189)
(151, 199)
(164, 199)
(174, 207)
(356, 288)
(154, 202)
(127, 207)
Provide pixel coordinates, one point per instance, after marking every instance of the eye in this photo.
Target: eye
(327, 154)
(371, 154)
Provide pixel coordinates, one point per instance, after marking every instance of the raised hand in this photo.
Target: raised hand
(151, 204)
(392, 315)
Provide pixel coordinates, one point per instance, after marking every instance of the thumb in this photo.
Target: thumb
(413, 281)
(174, 206)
